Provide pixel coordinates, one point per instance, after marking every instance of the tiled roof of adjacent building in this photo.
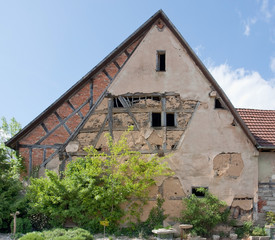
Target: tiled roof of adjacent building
(261, 124)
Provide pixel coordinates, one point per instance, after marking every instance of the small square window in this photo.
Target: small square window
(161, 61)
(170, 119)
(156, 119)
(196, 191)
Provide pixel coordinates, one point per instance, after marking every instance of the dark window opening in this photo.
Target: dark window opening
(218, 104)
(170, 119)
(161, 61)
(156, 98)
(117, 103)
(197, 191)
(156, 119)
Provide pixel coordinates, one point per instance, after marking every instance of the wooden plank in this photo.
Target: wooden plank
(107, 75)
(126, 106)
(44, 127)
(73, 108)
(110, 115)
(64, 124)
(91, 94)
(55, 146)
(30, 162)
(63, 121)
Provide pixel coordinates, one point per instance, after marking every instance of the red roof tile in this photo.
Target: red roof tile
(261, 124)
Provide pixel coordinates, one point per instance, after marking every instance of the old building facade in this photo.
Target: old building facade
(155, 82)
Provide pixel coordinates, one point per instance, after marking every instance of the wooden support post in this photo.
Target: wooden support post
(164, 121)
(110, 116)
(14, 221)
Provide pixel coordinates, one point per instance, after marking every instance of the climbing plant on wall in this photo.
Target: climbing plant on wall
(93, 188)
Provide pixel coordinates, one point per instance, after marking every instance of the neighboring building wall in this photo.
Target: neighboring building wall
(266, 185)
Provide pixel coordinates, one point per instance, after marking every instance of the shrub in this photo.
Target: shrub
(270, 218)
(258, 231)
(23, 225)
(33, 236)
(93, 188)
(50, 234)
(204, 213)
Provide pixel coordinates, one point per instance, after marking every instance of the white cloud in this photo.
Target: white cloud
(272, 64)
(198, 49)
(245, 89)
(265, 10)
(247, 25)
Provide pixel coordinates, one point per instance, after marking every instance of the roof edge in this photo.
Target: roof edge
(87, 77)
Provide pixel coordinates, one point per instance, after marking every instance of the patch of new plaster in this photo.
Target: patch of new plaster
(122, 120)
(173, 102)
(172, 189)
(228, 165)
(173, 208)
(72, 147)
(245, 204)
(156, 137)
(53, 165)
(130, 140)
(85, 139)
(95, 121)
(153, 191)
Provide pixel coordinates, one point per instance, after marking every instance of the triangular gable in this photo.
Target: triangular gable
(83, 97)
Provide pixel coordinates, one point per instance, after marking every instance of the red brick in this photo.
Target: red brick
(24, 152)
(132, 47)
(261, 204)
(99, 84)
(111, 70)
(37, 157)
(59, 136)
(49, 152)
(73, 122)
(51, 121)
(64, 110)
(121, 59)
(85, 109)
(34, 136)
(81, 96)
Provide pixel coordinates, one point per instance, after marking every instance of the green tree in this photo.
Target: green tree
(10, 164)
(94, 188)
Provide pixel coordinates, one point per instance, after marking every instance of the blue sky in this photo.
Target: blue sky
(46, 46)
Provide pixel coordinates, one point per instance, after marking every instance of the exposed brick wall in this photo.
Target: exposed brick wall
(60, 135)
(34, 136)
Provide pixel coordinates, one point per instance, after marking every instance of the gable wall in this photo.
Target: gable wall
(211, 150)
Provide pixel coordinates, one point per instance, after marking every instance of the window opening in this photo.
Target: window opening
(161, 61)
(117, 103)
(156, 119)
(170, 119)
(197, 192)
(218, 104)
(156, 99)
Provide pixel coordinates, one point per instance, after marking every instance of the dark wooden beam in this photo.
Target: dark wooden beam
(107, 75)
(44, 127)
(64, 124)
(110, 115)
(30, 162)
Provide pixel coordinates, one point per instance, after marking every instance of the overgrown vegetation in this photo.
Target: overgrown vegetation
(270, 218)
(204, 213)
(11, 199)
(59, 234)
(248, 230)
(94, 188)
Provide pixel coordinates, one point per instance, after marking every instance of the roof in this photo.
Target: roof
(261, 124)
(140, 31)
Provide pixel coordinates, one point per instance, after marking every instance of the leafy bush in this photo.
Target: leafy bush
(33, 236)
(23, 225)
(258, 231)
(93, 188)
(155, 219)
(270, 218)
(59, 234)
(248, 230)
(204, 213)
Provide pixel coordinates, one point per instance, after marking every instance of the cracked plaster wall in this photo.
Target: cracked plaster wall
(208, 133)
